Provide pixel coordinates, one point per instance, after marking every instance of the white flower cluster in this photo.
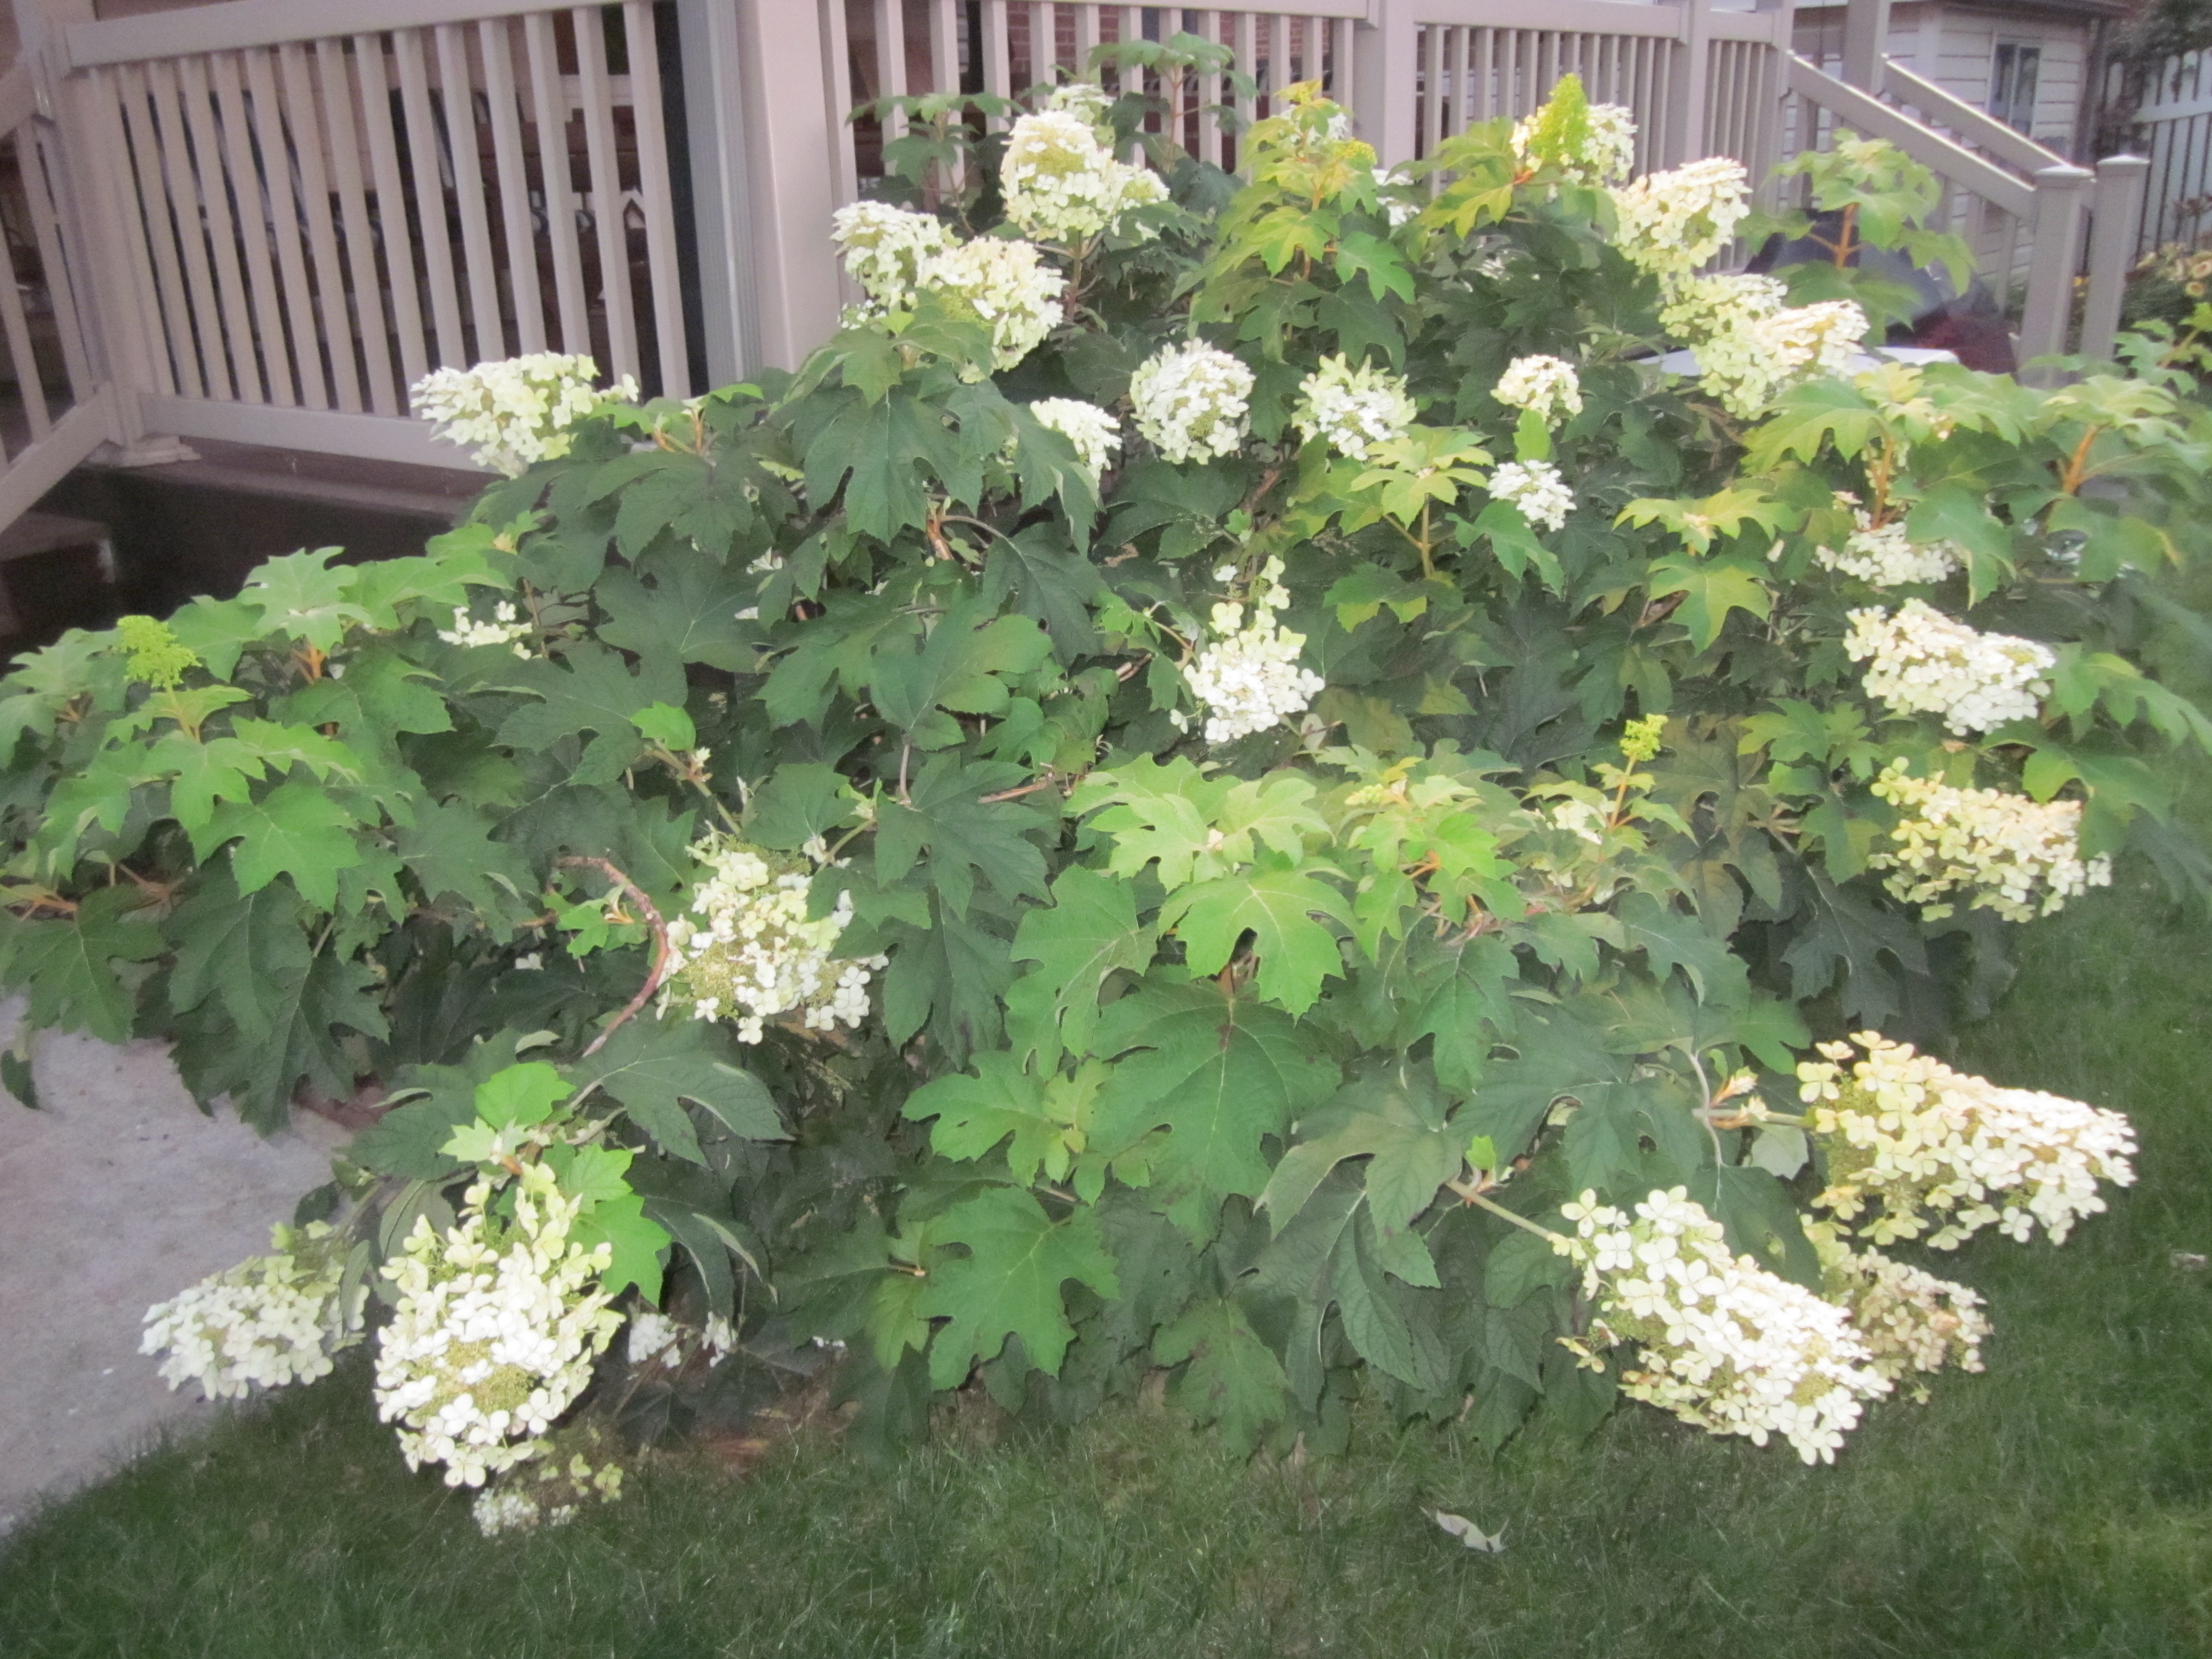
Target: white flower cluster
(269, 1321)
(1910, 1319)
(1062, 185)
(1725, 1344)
(2018, 858)
(1933, 1145)
(894, 255)
(1749, 344)
(748, 952)
(517, 411)
(1584, 820)
(1696, 307)
(1096, 434)
(653, 1334)
(656, 1340)
(1007, 285)
(1537, 489)
(1249, 677)
(884, 249)
(1883, 556)
(576, 1465)
(1191, 402)
(1606, 152)
(1547, 387)
(1672, 222)
(1352, 409)
(505, 629)
(1920, 661)
(494, 1332)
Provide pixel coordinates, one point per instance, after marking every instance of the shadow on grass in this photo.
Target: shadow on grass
(2060, 1506)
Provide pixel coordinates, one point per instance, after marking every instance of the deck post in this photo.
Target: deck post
(2061, 201)
(721, 187)
(1386, 80)
(1866, 41)
(1689, 87)
(2116, 209)
(792, 113)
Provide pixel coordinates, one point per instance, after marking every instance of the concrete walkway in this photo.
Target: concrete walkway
(114, 1195)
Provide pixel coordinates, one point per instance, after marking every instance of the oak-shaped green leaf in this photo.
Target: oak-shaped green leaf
(1088, 933)
(653, 1066)
(1670, 939)
(801, 800)
(591, 1175)
(684, 494)
(296, 830)
(1044, 1118)
(690, 614)
(311, 1010)
(1230, 1377)
(950, 973)
(1219, 1074)
(964, 835)
(1468, 1009)
(594, 692)
(381, 695)
(219, 770)
(449, 849)
(664, 724)
(958, 668)
(1278, 905)
(640, 1245)
(246, 948)
(881, 445)
(521, 1095)
(1197, 828)
(1009, 1282)
(1409, 1157)
(1711, 588)
(218, 631)
(67, 963)
(299, 595)
(1049, 581)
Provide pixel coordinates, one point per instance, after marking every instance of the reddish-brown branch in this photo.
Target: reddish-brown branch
(1030, 788)
(660, 951)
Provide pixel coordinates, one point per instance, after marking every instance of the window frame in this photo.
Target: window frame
(2012, 62)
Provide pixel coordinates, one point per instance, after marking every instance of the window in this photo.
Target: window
(2012, 84)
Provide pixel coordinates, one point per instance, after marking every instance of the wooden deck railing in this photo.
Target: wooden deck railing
(262, 220)
(311, 216)
(61, 403)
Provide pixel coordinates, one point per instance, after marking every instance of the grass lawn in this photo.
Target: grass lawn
(2060, 1506)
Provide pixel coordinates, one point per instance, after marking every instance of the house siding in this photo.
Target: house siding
(1956, 46)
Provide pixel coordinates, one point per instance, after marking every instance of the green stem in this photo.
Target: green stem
(1499, 1210)
(847, 839)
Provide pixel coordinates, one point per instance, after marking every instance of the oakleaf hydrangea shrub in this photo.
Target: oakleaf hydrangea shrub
(1236, 783)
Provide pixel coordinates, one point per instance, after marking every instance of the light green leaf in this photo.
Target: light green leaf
(296, 830)
(1088, 933)
(1711, 589)
(521, 1095)
(1278, 907)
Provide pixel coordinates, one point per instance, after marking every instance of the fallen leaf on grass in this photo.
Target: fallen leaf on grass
(1467, 1533)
